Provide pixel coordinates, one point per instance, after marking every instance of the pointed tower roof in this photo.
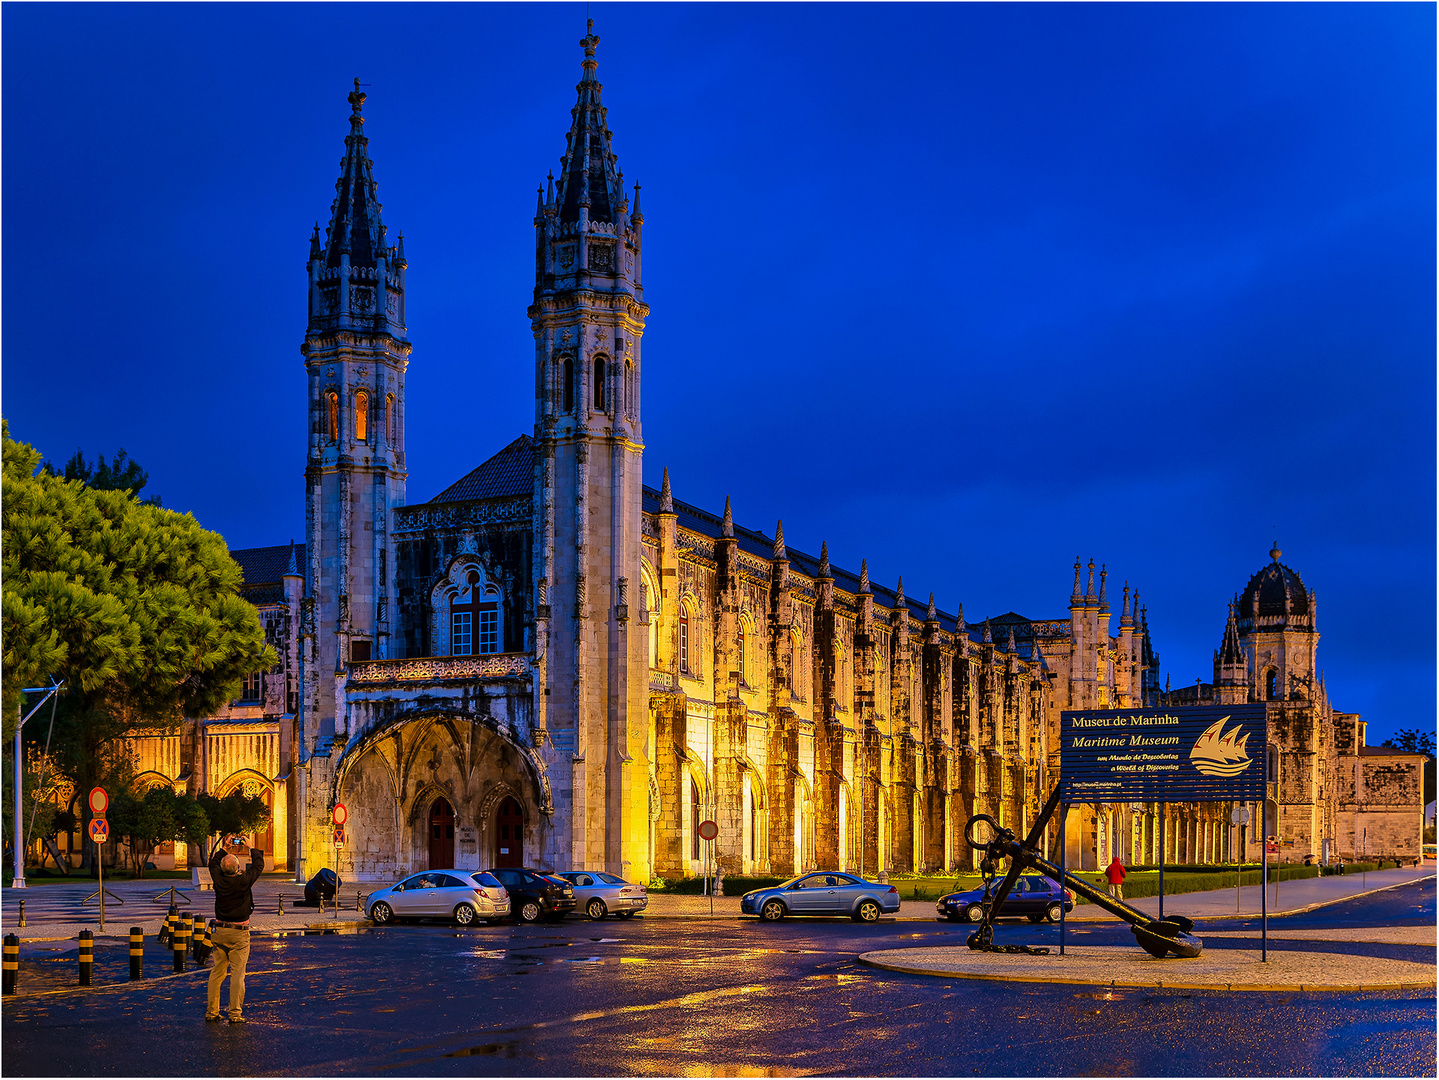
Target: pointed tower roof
(1103, 587)
(1089, 588)
(355, 225)
(779, 551)
(929, 613)
(1075, 595)
(727, 527)
(1229, 651)
(899, 595)
(863, 576)
(667, 500)
(824, 568)
(589, 171)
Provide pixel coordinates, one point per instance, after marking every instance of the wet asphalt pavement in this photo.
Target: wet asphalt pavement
(680, 997)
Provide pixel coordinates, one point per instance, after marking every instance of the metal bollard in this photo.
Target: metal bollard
(177, 945)
(280, 906)
(22, 913)
(358, 906)
(87, 956)
(197, 941)
(205, 936)
(137, 953)
(11, 970)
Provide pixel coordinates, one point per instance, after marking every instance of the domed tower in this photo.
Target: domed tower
(588, 316)
(1275, 623)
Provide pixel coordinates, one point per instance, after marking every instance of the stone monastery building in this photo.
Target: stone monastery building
(550, 664)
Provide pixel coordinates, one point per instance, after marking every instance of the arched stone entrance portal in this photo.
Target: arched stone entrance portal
(509, 833)
(442, 834)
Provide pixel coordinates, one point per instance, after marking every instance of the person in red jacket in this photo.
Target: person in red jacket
(1115, 872)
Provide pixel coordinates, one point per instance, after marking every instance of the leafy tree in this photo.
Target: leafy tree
(122, 475)
(237, 814)
(135, 608)
(158, 816)
(1417, 742)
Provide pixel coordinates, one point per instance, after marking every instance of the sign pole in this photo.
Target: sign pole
(1264, 900)
(100, 880)
(1063, 815)
(1162, 807)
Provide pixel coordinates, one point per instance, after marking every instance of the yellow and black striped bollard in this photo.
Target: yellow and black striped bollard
(137, 953)
(11, 965)
(164, 937)
(87, 956)
(205, 936)
(178, 943)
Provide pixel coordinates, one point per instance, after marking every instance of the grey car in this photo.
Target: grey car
(462, 895)
(598, 894)
(828, 892)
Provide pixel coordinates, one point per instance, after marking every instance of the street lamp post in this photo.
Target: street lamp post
(50, 691)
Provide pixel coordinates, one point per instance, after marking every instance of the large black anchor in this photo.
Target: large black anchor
(1169, 936)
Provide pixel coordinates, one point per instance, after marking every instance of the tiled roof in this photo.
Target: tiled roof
(267, 565)
(510, 472)
(762, 545)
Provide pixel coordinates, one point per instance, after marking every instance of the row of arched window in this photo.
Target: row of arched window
(360, 412)
(625, 387)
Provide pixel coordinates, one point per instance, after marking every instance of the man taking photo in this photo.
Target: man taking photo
(233, 904)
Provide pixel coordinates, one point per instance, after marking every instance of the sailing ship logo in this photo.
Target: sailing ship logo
(1217, 754)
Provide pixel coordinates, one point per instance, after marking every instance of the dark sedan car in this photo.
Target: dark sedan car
(535, 895)
(1033, 896)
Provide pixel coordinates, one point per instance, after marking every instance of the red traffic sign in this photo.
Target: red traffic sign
(339, 815)
(708, 830)
(99, 829)
(99, 801)
(339, 836)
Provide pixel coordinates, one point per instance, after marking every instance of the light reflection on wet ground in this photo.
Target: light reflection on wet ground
(679, 998)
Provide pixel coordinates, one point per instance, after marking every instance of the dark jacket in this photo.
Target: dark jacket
(233, 902)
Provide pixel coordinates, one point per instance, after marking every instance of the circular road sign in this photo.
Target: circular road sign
(708, 830)
(1239, 816)
(99, 830)
(99, 801)
(340, 814)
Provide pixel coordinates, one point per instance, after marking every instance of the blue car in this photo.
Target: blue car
(828, 892)
(1033, 896)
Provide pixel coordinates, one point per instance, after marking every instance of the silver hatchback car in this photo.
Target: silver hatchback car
(462, 895)
(598, 894)
(828, 892)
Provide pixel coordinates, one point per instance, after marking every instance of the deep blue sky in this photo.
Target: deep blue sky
(965, 290)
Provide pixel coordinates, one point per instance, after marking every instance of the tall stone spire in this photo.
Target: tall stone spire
(988, 634)
(1124, 616)
(1103, 588)
(1011, 647)
(1075, 596)
(899, 595)
(727, 526)
(667, 500)
(863, 576)
(1089, 588)
(590, 177)
(779, 551)
(824, 569)
(929, 613)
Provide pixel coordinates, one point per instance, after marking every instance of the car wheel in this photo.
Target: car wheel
(464, 914)
(530, 911)
(1054, 911)
(974, 913)
(773, 911)
(381, 912)
(595, 909)
(868, 911)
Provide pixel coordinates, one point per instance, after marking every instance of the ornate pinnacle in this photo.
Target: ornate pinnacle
(667, 502)
(779, 551)
(357, 101)
(864, 575)
(727, 530)
(929, 612)
(824, 570)
(1011, 648)
(988, 634)
(1089, 588)
(899, 595)
(1076, 594)
(1103, 590)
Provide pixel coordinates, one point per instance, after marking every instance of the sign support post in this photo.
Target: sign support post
(1163, 812)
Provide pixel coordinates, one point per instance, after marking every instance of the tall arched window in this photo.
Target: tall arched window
(362, 416)
(474, 619)
(390, 419)
(332, 414)
(740, 655)
(599, 384)
(1271, 684)
(568, 377)
(684, 641)
(629, 388)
